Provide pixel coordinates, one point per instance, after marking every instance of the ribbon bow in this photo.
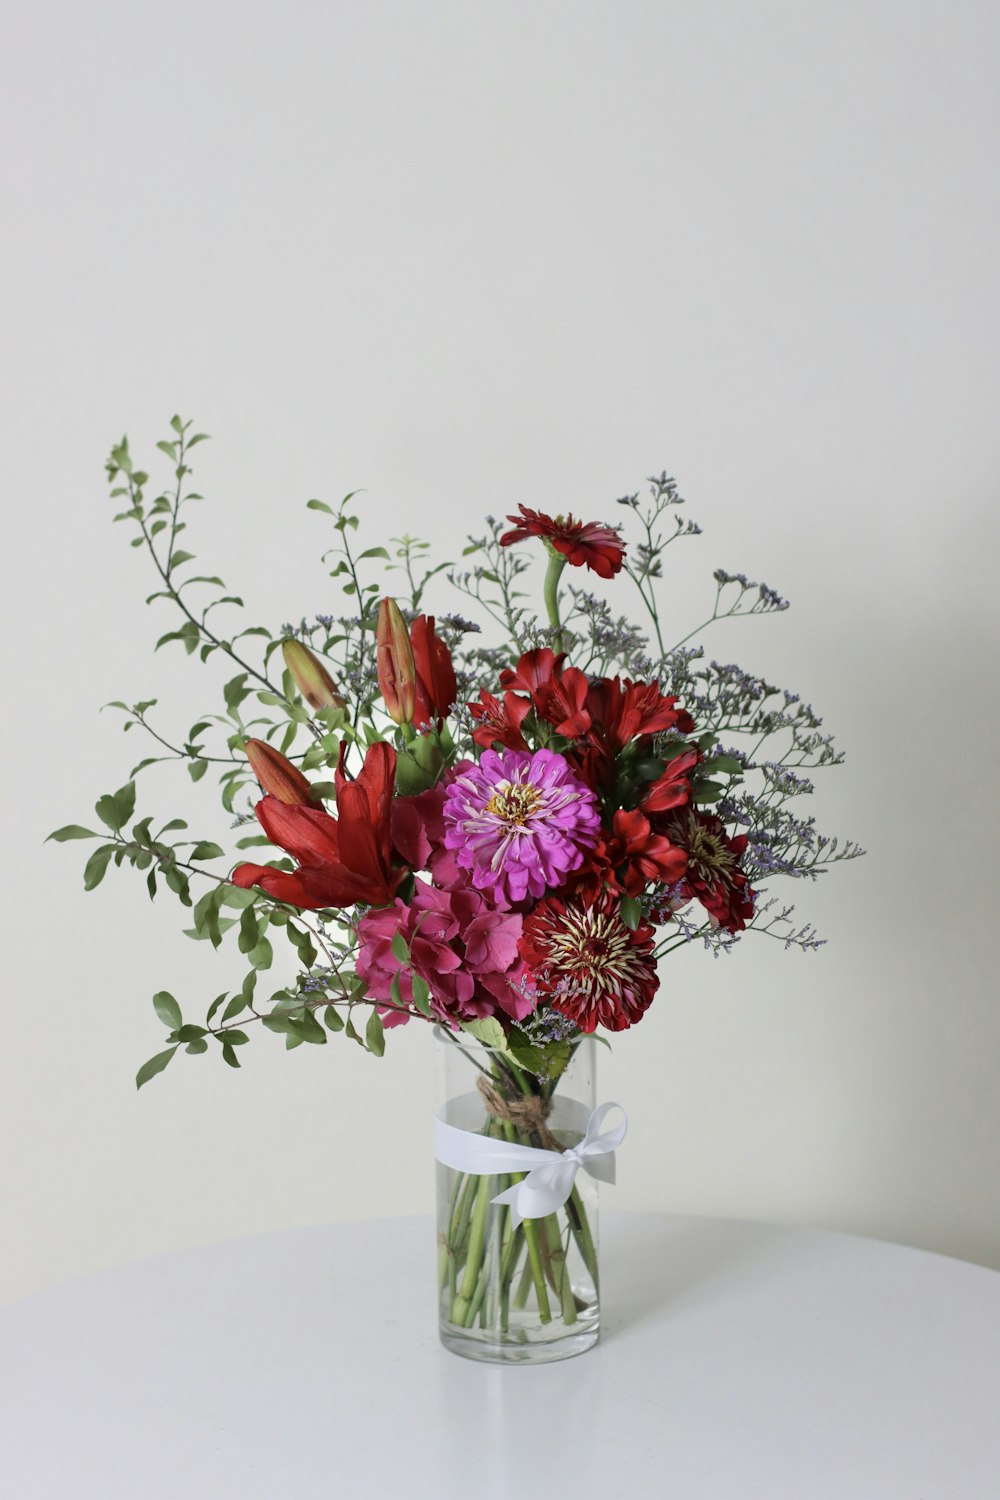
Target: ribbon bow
(550, 1174)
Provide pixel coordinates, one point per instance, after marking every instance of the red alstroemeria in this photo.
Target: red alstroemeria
(638, 855)
(436, 688)
(341, 860)
(582, 543)
(563, 703)
(499, 723)
(622, 710)
(534, 671)
(586, 963)
(558, 693)
(713, 875)
(673, 788)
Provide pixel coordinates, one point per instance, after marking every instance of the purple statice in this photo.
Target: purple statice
(519, 823)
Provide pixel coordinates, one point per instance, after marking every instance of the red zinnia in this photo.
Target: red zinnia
(341, 860)
(713, 873)
(587, 964)
(582, 543)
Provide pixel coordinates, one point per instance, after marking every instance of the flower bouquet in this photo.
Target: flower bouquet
(499, 832)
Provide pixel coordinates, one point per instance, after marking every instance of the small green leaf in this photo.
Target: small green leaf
(374, 1034)
(307, 1028)
(229, 1055)
(155, 1065)
(191, 1033)
(197, 769)
(487, 1029)
(631, 910)
(249, 931)
(219, 1000)
(421, 994)
(400, 948)
(319, 505)
(303, 944)
(236, 1004)
(168, 1010)
(106, 809)
(72, 831)
(728, 765)
(262, 955)
(207, 850)
(333, 1018)
(96, 865)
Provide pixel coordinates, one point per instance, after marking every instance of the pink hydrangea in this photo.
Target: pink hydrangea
(418, 834)
(466, 952)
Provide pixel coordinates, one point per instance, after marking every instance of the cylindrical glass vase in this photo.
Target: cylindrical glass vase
(514, 1292)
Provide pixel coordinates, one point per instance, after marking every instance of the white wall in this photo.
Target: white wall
(464, 255)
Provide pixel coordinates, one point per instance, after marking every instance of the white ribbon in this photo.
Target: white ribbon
(550, 1174)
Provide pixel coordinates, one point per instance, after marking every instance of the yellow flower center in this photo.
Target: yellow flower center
(514, 802)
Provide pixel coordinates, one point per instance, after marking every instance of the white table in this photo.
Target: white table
(738, 1361)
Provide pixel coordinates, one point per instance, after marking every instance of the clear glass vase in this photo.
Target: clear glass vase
(525, 1292)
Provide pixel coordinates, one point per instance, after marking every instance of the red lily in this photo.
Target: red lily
(341, 860)
(277, 776)
(436, 688)
(397, 676)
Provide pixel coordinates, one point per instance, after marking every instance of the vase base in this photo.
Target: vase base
(486, 1349)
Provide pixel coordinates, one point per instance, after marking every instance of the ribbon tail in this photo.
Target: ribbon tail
(510, 1199)
(602, 1167)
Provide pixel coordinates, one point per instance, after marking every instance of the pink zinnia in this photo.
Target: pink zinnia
(519, 823)
(465, 951)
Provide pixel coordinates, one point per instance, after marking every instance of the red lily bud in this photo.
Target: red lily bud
(277, 776)
(436, 686)
(310, 676)
(396, 672)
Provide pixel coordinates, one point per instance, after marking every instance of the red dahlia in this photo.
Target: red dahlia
(582, 543)
(587, 964)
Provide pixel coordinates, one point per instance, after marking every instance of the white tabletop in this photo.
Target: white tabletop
(737, 1361)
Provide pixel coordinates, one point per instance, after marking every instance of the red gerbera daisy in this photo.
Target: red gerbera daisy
(582, 543)
(587, 964)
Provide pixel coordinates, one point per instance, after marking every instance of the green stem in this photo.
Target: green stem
(550, 594)
(578, 1222)
(560, 1268)
(461, 1308)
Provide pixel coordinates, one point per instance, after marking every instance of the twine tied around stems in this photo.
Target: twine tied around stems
(525, 1111)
